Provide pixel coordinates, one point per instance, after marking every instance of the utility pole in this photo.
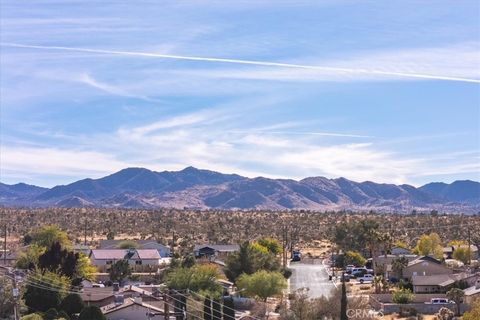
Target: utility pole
(15, 297)
(5, 244)
(166, 307)
(283, 247)
(469, 248)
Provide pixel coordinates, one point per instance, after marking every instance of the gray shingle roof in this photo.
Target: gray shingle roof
(109, 254)
(218, 247)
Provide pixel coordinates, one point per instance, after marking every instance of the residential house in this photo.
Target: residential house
(81, 248)
(101, 297)
(164, 251)
(449, 250)
(425, 266)
(399, 251)
(440, 283)
(133, 309)
(383, 263)
(215, 251)
(104, 258)
(141, 260)
(145, 259)
(472, 293)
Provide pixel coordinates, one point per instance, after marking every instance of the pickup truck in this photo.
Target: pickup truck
(365, 278)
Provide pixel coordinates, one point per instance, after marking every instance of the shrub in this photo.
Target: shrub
(402, 296)
(444, 314)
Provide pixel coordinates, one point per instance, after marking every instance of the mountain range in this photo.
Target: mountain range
(203, 189)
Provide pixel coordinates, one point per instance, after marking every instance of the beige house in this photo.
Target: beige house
(133, 309)
(472, 293)
(425, 266)
(441, 283)
(141, 260)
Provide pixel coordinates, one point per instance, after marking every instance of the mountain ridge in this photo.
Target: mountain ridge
(205, 189)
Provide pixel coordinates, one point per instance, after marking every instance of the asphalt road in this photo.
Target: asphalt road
(310, 275)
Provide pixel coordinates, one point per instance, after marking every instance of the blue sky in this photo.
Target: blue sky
(372, 90)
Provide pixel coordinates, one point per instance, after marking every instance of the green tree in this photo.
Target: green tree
(272, 245)
(355, 258)
(228, 309)
(400, 244)
(402, 296)
(457, 243)
(71, 304)
(91, 313)
(207, 309)
(198, 278)
(28, 257)
(262, 284)
(463, 254)
(45, 290)
(242, 261)
(45, 236)
(249, 259)
(7, 301)
(456, 295)
(120, 270)
(59, 260)
(430, 244)
(189, 261)
(84, 268)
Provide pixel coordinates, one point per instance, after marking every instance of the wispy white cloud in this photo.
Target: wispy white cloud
(316, 68)
(57, 161)
(194, 139)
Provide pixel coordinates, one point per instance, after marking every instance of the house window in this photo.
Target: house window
(109, 261)
(138, 262)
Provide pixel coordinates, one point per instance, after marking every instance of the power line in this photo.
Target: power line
(226, 307)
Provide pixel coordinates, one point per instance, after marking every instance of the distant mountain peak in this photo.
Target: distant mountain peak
(137, 187)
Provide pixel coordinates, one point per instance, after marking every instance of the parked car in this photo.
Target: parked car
(349, 268)
(359, 271)
(439, 301)
(296, 256)
(365, 278)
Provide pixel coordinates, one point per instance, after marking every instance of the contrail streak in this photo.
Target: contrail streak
(246, 62)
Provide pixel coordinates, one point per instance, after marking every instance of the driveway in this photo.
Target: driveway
(313, 275)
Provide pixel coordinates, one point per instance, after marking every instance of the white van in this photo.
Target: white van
(439, 301)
